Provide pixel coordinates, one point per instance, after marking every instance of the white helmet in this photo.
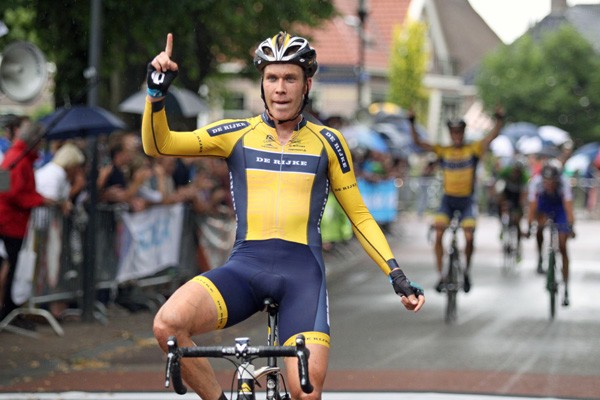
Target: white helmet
(286, 49)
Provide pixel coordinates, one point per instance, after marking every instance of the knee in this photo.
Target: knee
(166, 324)
(299, 394)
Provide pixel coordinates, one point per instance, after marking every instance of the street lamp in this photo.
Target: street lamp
(362, 16)
(89, 269)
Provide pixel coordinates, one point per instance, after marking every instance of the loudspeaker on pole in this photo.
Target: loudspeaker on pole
(23, 71)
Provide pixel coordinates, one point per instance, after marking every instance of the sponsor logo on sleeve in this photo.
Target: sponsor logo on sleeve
(227, 128)
(338, 149)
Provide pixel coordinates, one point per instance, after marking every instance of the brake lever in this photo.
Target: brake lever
(174, 367)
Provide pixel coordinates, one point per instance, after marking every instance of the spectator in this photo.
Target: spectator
(55, 181)
(10, 123)
(16, 205)
(113, 183)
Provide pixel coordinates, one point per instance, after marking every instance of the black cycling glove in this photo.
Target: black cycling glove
(402, 286)
(159, 82)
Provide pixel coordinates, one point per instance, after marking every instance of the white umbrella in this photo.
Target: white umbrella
(529, 144)
(502, 147)
(364, 136)
(578, 164)
(554, 134)
(181, 102)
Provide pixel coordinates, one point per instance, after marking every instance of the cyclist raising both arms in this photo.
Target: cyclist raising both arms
(458, 162)
(550, 196)
(281, 170)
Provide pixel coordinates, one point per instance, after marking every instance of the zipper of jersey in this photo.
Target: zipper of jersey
(278, 199)
(280, 178)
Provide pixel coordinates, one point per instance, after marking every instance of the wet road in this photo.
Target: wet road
(502, 344)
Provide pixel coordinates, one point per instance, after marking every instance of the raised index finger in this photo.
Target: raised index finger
(169, 46)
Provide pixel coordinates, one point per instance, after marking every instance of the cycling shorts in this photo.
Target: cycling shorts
(465, 205)
(513, 208)
(552, 207)
(288, 272)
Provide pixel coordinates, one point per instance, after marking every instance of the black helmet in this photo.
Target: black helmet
(286, 49)
(519, 164)
(550, 171)
(456, 123)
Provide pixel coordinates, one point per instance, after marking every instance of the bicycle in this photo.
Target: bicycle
(510, 244)
(246, 374)
(454, 272)
(551, 265)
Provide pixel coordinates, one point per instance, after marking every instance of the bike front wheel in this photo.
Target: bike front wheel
(452, 288)
(510, 248)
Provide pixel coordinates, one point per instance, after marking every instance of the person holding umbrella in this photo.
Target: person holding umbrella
(281, 168)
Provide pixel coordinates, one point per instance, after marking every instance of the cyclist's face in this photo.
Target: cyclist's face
(457, 136)
(284, 86)
(550, 185)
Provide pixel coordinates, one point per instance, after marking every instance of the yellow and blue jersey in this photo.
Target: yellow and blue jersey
(279, 191)
(459, 166)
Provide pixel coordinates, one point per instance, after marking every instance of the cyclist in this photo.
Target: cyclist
(281, 168)
(458, 163)
(511, 187)
(550, 196)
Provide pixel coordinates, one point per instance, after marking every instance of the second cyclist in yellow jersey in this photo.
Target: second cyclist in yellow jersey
(458, 162)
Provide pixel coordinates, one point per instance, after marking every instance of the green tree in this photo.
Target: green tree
(555, 81)
(207, 33)
(408, 64)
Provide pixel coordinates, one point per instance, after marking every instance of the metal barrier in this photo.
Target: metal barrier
(58, 270)
(418, 194)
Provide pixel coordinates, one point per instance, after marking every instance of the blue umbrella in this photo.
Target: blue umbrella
(397, 135)
(80, 121)
(516, 130)
(581, 159)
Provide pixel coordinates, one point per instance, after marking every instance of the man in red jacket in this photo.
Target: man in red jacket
(17, 202)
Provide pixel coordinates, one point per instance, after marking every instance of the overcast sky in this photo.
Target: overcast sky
(511, 18)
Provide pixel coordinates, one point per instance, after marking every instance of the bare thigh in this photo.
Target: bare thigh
(189, 311)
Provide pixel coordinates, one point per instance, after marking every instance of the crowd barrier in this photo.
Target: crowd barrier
(154, 249)
(423, 194)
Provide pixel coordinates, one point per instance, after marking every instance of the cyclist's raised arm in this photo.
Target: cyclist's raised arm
(415, 136)
(161, 72)
(216, 139)
(493, 134)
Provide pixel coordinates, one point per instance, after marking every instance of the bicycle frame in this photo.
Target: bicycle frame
(246, 375)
